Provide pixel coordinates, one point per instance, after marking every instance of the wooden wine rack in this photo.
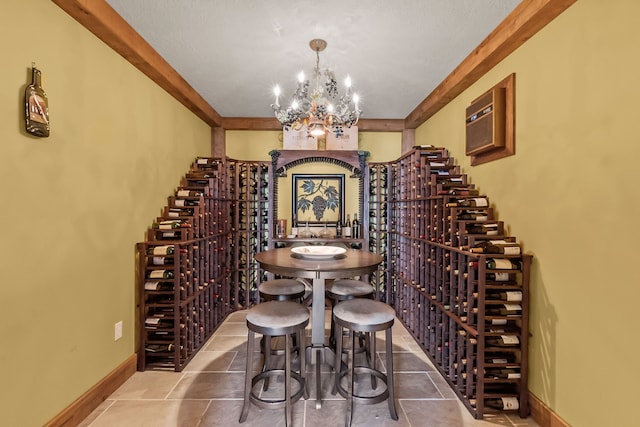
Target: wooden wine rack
(417, 219)
(441, 291)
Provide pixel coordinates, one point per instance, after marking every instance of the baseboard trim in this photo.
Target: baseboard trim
(80, 409)
(543, 415)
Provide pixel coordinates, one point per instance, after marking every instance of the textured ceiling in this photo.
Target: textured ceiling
(234, 51)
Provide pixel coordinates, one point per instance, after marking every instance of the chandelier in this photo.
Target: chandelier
(320, 109)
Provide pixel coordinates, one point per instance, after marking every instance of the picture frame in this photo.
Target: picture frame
(317, 198)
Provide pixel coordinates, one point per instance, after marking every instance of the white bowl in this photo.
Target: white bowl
(318, 252)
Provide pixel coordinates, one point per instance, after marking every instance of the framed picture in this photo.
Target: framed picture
(317, 199)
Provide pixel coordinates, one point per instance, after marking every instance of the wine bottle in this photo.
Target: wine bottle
(188, 193)
(162, 260)
(503, 403)
(486, 229)
(503, 310)
(185, 202)
(502, 341)
(515, 296)
(36, 106)
(170, 224)
(158, 286)
(346, 229)
(496, 247)
(502, 373)
(472, 215)
(470, 202)
(161, 274)
(158, 348)
(355, 233)
(161, 250)
(339, 229)
(503, 264)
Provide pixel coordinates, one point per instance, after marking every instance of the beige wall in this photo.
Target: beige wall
(75, 204)
(570, 196)
(255, 145)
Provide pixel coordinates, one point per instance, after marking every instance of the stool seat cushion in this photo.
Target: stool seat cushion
(364, 312)
(281, 287)
(350, 287)
(278, 314)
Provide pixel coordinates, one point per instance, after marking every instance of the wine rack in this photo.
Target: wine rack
(467, 310)
(184, 279)
(378, 226)
(252, 213)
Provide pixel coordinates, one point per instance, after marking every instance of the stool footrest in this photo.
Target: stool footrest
(279, 403)
(367, 400)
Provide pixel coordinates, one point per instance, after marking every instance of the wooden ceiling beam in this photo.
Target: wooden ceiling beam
(259, 123)
(519, 26)
(100, 18)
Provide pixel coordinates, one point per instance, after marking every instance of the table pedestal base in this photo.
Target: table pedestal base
(318, 355)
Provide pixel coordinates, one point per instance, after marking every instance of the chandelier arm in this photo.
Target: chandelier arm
(323, 109)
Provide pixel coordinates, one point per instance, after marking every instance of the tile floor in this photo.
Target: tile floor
(208, 392)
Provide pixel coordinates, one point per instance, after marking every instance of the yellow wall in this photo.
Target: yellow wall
(75, 204)
(570, 196)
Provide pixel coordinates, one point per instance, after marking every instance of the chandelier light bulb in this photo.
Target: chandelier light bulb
(319, 107)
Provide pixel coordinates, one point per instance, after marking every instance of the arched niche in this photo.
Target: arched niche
(354, 162)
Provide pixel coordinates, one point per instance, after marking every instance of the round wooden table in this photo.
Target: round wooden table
(356, 262)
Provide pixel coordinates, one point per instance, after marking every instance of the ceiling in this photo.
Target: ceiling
(234, 52)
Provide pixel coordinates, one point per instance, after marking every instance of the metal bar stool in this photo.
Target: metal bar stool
(278, 290)
(276, 318)
(281, 290)
(343, 290)
(364, 315)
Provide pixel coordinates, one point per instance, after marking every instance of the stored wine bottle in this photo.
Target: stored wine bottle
(188, 193)
(472, 215)
(158, 286)
(170, 224)
(36, 106)
(514, 296)
(502, 373)
(161, 274)
(486, 229)
(355, 227)
(161, 250)
(338, 229)
(471, 202)
(185, 202)
(503, 264)
(503, 403)
(502, 341)
(496, 247)
(159, 348)
(346, 229)
(503, 310)
(162, 260)
(499, 277)
(179, 212)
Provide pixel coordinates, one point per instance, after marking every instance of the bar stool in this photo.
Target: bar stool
(364, 315)
(276, 318)
(281, 290)
(343, 290)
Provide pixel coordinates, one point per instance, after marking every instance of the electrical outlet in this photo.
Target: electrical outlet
(117, 331)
